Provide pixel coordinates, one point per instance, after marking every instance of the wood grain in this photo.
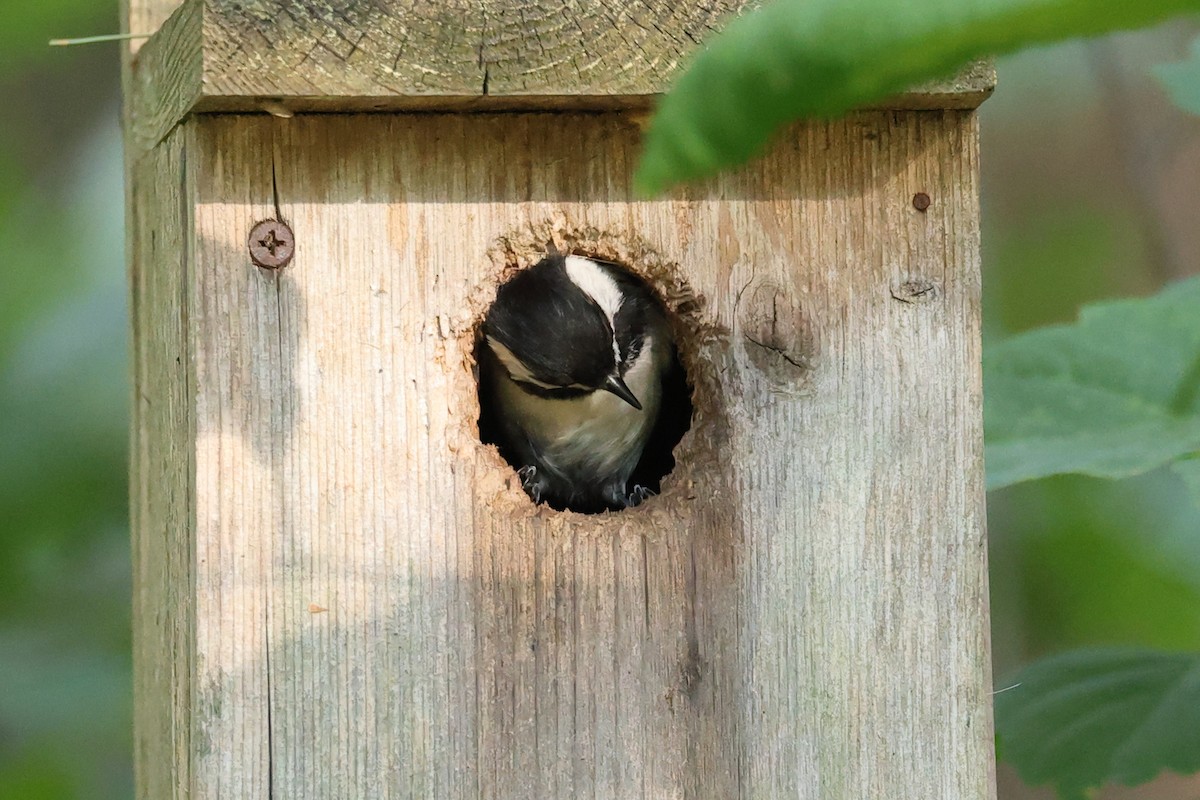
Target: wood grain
(489, 55)
(145, 17)
(453, 47)
(163, 479)
(358, 601)
(164, 82)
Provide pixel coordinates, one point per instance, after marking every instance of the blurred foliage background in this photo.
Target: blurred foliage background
(64, 552)
(1091, 190)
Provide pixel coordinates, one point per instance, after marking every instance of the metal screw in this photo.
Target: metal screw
(921, 201)
(271, 244)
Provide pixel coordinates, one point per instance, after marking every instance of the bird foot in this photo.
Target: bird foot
(637, 495)
(617, 497)
(531, 483)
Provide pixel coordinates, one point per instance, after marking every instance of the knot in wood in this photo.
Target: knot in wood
(778, 338)
(916, 290)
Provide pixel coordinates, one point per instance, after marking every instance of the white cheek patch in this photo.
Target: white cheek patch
(597, 284)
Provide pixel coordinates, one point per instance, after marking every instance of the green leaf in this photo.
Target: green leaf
(806, 58)
(1090, 717)
(1189, 470)
(1097, 561)
(1182, 80)
(1114, 395)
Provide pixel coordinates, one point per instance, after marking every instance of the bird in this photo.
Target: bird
(577, 364)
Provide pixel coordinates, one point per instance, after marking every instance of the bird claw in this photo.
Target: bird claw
(637, 495)
(530, 482)
(617, 497)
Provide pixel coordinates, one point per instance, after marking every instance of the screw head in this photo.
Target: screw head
(271, 244)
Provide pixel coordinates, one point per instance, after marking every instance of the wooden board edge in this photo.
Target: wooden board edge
(168, 79)
(967, 89)
(162, 466)
(163, 82)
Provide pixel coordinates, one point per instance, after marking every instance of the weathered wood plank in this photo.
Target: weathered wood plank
(145, 17)
(239, 56)
(162, 483)
(452, 47)
(164, 83)
(378, 609)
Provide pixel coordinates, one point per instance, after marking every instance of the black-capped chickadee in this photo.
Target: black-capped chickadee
(576, 367)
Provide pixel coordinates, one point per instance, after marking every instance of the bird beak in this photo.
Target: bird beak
(617, 386)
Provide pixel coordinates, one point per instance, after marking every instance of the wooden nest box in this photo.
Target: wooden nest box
(341, 593)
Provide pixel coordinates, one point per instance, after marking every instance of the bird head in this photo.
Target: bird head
(564, 328)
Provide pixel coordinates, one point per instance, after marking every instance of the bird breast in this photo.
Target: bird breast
(598, 433)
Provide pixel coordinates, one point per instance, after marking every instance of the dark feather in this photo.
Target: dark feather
(563, 339)
(540, 306)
